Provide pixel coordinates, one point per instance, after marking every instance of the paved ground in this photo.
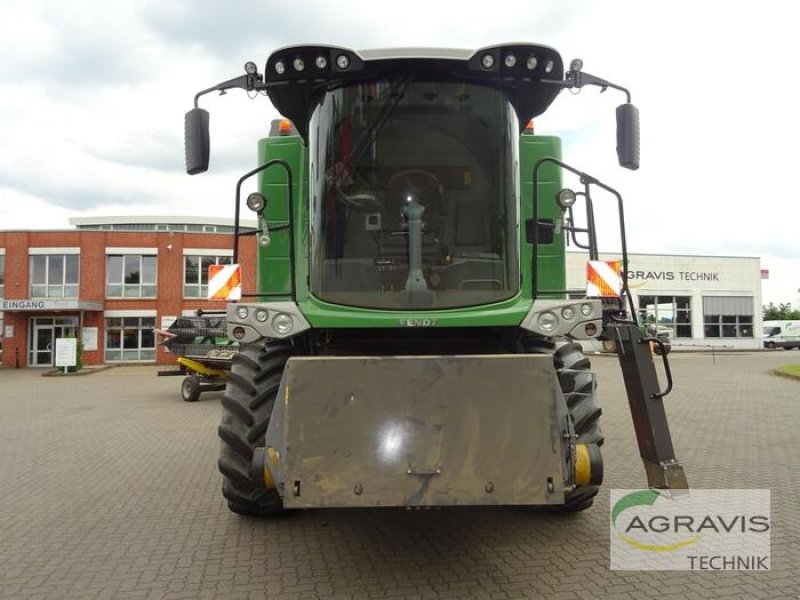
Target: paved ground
(108, 489)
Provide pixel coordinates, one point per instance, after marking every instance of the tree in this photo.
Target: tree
(782, 312)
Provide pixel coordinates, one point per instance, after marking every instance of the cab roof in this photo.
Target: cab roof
(298, 77)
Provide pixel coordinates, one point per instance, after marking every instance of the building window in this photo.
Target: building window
(54, 275)
(672, 314)
(130, 276)
(130, 339)
(195, 273)
(728, 317)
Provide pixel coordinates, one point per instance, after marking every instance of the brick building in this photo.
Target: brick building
(109, 282)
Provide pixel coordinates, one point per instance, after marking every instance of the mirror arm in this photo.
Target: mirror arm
(254, 82)
(578, 79)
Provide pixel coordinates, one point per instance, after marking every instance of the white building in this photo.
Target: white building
(701, 300)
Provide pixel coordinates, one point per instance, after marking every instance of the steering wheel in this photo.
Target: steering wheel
(414, 182)
(364, 201)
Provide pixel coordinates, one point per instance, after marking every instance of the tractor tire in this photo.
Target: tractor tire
(580, 392)
(190, 388)
(250, 393)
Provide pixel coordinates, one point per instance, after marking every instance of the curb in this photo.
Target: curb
(82, 372)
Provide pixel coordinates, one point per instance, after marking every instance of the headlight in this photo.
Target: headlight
(586, 309)
(299, 64)
(242, 312)
(321, 62)
(280, 67)
(487, 61)
(510, 60)
(568, 313)
(261, 315)
(282, 323)
(531, 63)
(547, 321)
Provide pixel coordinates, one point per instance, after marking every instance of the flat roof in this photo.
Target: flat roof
(159, 220)
(575, 252)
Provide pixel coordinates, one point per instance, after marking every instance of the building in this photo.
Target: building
(110, 281)
(700, 301)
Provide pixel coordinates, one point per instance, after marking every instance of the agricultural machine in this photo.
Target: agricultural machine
(203, 350)
(411, 340)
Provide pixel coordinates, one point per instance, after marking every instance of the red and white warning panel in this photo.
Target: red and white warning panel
(224, 282)
(603, 278)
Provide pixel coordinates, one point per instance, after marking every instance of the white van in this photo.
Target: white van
(782, 334)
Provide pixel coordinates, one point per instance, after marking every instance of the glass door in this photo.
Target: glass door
(44, 333)
(43, 350)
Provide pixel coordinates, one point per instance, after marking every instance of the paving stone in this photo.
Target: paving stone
(109, 489)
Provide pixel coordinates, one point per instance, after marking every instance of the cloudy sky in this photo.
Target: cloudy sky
(92, 97)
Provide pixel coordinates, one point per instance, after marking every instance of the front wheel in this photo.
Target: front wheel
(580, 392)
(579, 389)
(250, 394)
(190, 388)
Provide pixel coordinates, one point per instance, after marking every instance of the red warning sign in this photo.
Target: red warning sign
(224, 282)
(603, 278)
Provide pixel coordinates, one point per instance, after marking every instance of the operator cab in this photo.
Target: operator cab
(413, 195)
(414, 198)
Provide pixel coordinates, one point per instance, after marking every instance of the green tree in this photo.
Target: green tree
(782, 312)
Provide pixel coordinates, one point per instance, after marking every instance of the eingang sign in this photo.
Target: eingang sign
(39, 304)
(25, 305)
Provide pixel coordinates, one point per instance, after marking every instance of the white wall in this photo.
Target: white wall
(693, 276)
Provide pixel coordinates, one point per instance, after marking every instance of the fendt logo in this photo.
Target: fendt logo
(418, 322)
(696, 530)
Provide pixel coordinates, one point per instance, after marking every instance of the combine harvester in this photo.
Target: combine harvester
(411, 341)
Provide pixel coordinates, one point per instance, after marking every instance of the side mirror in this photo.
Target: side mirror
(196, 141)
(628, 136)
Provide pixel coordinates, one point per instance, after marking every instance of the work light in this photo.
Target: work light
(256, 202)
(565, 198)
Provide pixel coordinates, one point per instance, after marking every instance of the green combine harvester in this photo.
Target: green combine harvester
(411, 341)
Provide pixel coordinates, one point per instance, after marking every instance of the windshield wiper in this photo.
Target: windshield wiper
(396, 94)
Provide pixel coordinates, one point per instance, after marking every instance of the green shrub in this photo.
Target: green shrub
(78, 359)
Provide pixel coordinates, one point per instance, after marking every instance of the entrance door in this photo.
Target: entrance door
(44, 332)
(43, 350)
